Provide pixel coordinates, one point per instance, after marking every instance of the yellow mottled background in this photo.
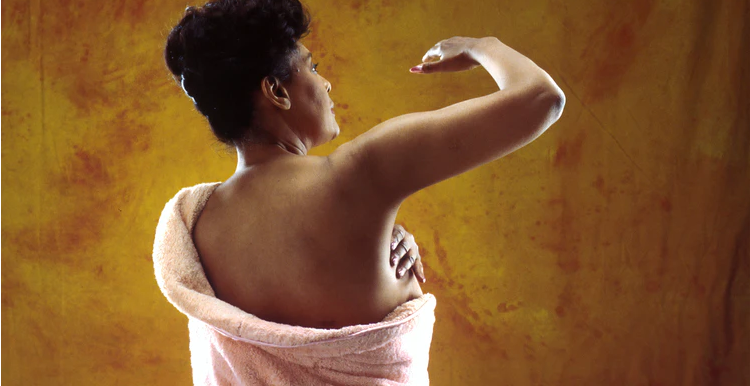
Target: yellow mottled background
(611, 251)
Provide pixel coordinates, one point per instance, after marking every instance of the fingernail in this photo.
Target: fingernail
(416, 68)
(393, 245)
(401, 272)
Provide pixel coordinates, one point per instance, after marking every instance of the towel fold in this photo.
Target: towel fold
(229, 346)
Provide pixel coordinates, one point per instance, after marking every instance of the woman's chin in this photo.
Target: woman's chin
(336, 130)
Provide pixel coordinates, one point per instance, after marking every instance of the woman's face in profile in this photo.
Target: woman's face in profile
(312, 107)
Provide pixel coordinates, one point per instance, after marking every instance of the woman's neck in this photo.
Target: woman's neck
(249, 154)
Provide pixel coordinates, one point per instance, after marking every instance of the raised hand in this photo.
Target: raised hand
(449, 55)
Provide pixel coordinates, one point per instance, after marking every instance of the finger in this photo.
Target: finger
(397, 235)
(398, 253)
(434, 57)
(432, 53)
(406, 263)
(418, 270)
(435, 66)
(406, 244)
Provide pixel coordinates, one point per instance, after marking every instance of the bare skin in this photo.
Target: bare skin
(305, 240)
(284, 260)
(275, 239)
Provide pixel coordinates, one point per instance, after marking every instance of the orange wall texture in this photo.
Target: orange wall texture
(611, 251)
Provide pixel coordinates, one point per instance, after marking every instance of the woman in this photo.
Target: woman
(316, 231)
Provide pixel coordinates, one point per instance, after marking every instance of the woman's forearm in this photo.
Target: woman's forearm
(508, 67)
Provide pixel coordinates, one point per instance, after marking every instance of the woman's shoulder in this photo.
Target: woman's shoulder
(199, 191)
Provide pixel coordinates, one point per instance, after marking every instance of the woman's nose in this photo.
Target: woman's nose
(328, 85)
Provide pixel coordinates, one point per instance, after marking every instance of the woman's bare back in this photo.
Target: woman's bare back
(285, 241)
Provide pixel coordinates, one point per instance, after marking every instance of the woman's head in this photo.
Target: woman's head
(236, 58)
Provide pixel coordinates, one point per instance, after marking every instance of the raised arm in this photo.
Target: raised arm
(410, 152)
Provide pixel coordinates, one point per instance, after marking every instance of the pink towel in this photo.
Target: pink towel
(229, 346)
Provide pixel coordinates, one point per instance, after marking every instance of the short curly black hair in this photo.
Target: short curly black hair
(221, 52)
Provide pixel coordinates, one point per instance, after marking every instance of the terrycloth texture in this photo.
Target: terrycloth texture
(231, 347)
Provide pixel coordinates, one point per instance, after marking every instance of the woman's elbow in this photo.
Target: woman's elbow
(551, 111)
(558, 104)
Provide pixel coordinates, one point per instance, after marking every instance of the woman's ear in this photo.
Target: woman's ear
(275, 92)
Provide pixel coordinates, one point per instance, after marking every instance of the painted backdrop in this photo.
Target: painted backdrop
(611, 251)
